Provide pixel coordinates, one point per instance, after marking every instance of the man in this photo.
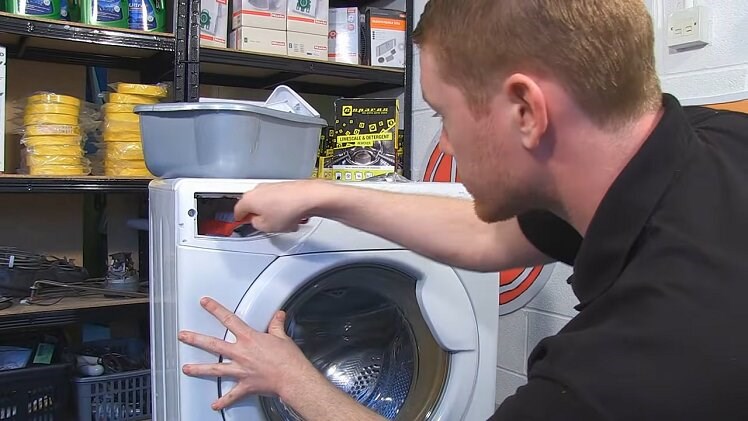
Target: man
(571, 152)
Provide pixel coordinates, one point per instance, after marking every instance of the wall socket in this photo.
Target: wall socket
(689, 29)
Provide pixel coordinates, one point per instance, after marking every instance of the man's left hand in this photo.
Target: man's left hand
(261, 363)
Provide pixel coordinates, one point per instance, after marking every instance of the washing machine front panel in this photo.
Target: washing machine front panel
(217, 274)
(437, 292)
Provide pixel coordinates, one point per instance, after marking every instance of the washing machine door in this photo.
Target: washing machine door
(394, 330)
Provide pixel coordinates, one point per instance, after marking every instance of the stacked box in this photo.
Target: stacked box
(366, 133)
(383, 38)
(259, 26)
(307, 26)
(344, 35)
(214, 21)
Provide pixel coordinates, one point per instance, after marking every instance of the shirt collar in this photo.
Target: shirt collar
(628, 204)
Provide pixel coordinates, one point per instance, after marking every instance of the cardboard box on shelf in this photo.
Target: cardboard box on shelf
(383, 34)
(308, 16)
(258, 40)
(343, 38)
(214, 20)
(366, 133)
(267, 14)
(307, 46)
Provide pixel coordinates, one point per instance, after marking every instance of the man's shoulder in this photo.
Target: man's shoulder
(709, 123)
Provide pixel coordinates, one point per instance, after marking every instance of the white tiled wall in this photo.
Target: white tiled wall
(715, 73)
(520, 331)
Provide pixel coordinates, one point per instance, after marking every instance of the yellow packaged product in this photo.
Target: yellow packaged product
(53, 130)
(126, 169)
(130, 151)
(122, 126)
(64, 150)
(52, 109)
(155, 91)
(50, 98)
(127, 172)
(33, 141)
(114, 136)
(118, 98)
(114, 107)
(43, 160)
(70, 170)
(122, 117)
(124, 164)
(64, 119)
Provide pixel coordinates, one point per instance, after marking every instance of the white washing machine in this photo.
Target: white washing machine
(406, 336)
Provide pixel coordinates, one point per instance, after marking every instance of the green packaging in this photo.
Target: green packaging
(111, 13)
(49, 9)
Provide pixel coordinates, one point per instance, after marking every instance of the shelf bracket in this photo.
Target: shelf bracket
(23, 42)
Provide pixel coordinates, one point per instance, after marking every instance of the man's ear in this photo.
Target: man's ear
(529, 112)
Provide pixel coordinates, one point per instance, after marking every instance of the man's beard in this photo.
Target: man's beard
(504, 204)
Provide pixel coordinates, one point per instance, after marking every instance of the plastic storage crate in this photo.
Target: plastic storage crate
(34, 394)
(114, 397)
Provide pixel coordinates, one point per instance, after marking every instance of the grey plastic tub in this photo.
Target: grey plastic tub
(228, 140)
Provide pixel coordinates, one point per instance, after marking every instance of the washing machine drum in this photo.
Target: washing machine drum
(370, 340)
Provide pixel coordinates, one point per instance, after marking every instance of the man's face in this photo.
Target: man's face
(486, 147)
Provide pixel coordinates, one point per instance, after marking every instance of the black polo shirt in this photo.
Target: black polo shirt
(662, 280)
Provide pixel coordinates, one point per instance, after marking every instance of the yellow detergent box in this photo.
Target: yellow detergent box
(326, 153)
(366, 133)
(400, 152)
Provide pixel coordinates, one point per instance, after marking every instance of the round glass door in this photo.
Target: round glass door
(362, 327)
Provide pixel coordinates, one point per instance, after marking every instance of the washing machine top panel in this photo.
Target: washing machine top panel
(200, 198)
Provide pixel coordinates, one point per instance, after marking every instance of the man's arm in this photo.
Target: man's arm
(316, 399)
(441, 228)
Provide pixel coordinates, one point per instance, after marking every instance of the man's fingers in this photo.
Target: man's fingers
(229, 398)
(212, 370)
(226, 317)
(242, 210)
(206, 343)
(277, 325)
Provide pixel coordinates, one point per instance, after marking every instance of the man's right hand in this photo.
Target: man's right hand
(278, 207)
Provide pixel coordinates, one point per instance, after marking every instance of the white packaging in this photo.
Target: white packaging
(214, 19)
(307, 46)
(267, 14)
(308, 16)
(258, 40)
(3, 83)
(343, 38)
(385, 38)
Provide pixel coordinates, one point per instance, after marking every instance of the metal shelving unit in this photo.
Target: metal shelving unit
(70, 310)
(70, 43)
(262, 71)
(89, 184)
(179, 58)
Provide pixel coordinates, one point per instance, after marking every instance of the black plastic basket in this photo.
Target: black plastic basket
(34, 394)
(114, 397)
